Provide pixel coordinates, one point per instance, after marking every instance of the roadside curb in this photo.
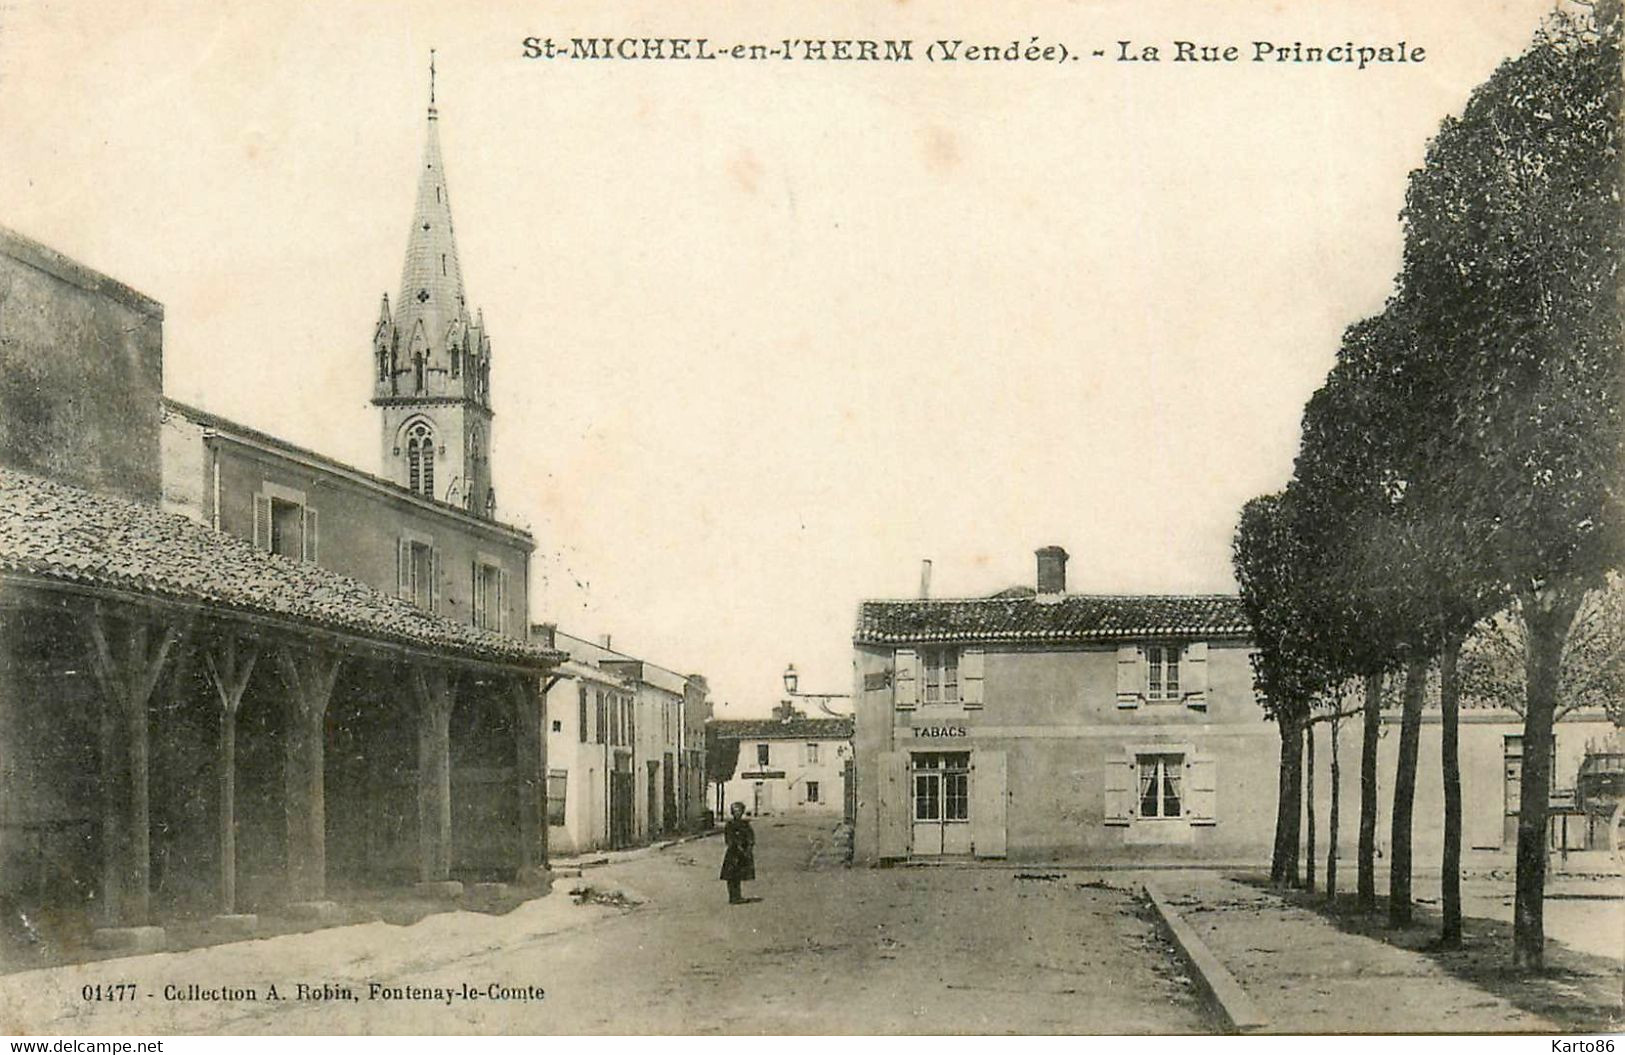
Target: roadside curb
(574, 865)
(1235, 1007)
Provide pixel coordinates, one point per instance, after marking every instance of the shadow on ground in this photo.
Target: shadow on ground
(1580, 992)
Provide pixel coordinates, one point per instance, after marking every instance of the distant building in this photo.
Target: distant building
(787, 765)
(621, 748)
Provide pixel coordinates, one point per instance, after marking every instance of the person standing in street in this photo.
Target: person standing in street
(739, 861)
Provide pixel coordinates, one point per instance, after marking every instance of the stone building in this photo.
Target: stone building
(621, 743)
(192, 721)
(786, 765)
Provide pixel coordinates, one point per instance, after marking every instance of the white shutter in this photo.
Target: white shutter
(403, 569)
(310, 534)
(262, 522)
(1119, 790)
(1130, 676)
(895, 808)
(988, 803)
(502, 601)
(905, 679)
(476, 612)
(1193, 674)
(1201, 790)
(971, 664)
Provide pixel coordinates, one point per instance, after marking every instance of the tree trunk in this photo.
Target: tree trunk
(1450, 763)
(1547, 614)
(1309, 809)
(1371, 715)
(1332, 818)
(1289, 804)
(1410, 735)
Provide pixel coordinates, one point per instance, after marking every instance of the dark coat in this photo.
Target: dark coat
(740, 861)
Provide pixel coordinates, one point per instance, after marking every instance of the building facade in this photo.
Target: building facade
(620, 745)
(1042, 725)
(791, 765)
(1039, 724)
(191, 721)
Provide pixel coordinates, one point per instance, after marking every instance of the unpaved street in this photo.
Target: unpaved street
(825, 949)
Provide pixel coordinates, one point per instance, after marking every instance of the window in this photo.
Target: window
(942, 786)
(812, 791)
(287, 528)
(416, 570)
(581, 713)
(1162, 672)
(812, 754)
(1160, 785)
(420, 453)
(941, 674)
(489, 595)
(283, 523)
(558, 782)
(761, 754)
(558, 726)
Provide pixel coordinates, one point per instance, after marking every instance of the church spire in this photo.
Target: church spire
(433, 359)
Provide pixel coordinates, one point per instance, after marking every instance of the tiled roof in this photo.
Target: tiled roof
(1065, 619)
(780, 729)
(54, 531)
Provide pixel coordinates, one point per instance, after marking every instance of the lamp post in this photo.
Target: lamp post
(792, 681)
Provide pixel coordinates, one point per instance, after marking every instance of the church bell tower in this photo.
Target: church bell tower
(432, 361)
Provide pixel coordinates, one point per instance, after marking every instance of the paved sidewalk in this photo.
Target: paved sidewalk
(1308, 973)
(566, 864)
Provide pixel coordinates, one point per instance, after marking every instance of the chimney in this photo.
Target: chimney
(925, 580)
(604, 639)
(1051, 571)
(546, 634)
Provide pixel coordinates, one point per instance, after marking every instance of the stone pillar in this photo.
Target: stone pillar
(530, 772)
(432, 687)
(309, 675)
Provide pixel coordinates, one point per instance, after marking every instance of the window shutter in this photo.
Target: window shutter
(403, 569)
(477, 607)
(988, 804)
(971, 665)
(1193, 674)
(502, 601)
(894, 807)
(906, 679)
(1202, 792)
(1119, 802)
(434, 578)
(310, 534)
(262, 523)
(1130, 676)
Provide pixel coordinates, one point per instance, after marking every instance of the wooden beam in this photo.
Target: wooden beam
(229, 673)
(309, 674)
(433, 690)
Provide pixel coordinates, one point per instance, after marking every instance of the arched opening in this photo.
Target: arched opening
(420, 458)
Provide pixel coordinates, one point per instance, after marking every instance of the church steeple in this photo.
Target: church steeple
(433, 359)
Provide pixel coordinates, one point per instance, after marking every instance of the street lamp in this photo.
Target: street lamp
(792, 681)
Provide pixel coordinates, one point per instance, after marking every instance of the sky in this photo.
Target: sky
(766, 335)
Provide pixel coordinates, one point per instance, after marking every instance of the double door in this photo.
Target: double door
(941, 803)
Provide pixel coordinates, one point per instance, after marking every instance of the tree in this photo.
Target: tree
(1271, 566)
(1513, 236)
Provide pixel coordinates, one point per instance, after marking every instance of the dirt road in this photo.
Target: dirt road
(825, 949)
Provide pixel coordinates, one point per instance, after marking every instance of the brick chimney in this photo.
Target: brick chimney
(925, 580)
(1051, 571)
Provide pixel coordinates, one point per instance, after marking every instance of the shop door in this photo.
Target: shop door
(941, 799)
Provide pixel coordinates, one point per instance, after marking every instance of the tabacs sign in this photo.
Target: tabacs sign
(940, 732)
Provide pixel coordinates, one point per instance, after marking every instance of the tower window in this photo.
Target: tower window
(420, 459)
(417, 370)
(442, 265)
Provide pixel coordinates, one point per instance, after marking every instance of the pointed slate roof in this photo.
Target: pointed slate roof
(432, 295)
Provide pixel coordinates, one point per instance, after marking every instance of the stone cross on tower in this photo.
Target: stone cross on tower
(431, 360)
